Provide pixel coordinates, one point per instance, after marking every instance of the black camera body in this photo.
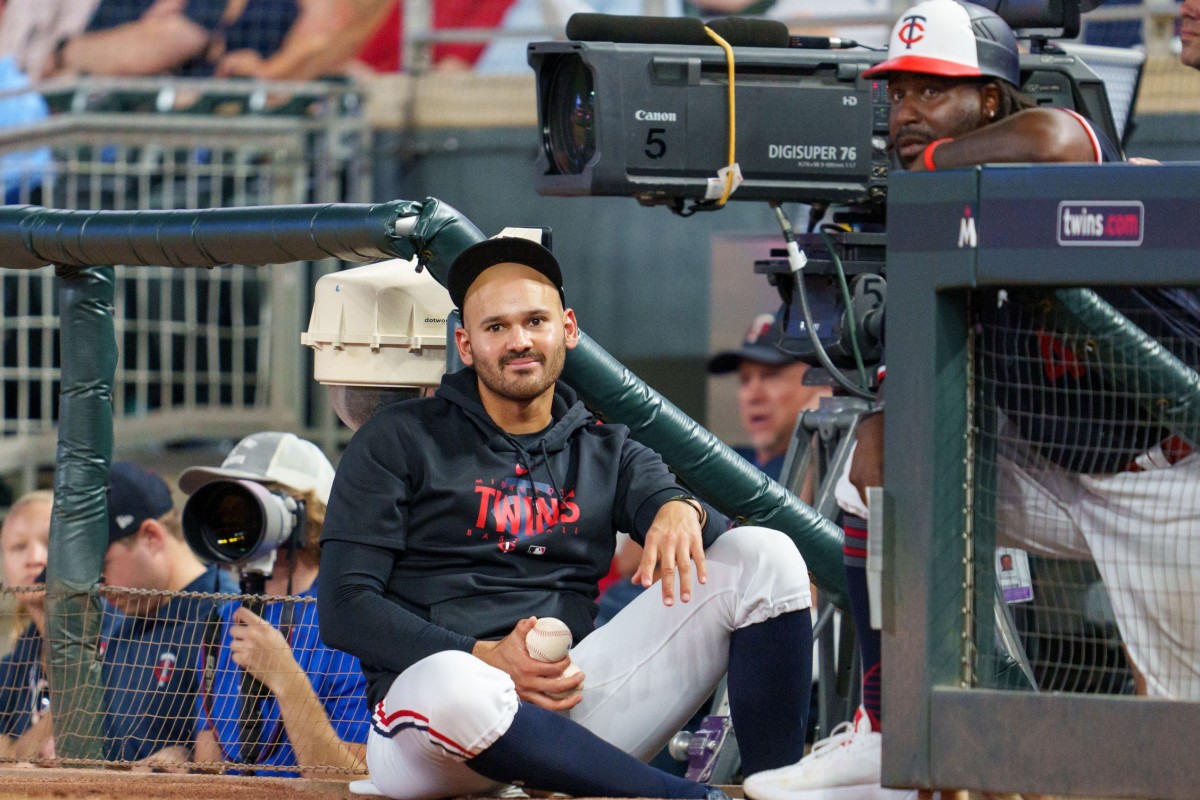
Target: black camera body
(853, 256)
(652, 120)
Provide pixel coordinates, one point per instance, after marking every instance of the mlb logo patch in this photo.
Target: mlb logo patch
(536, 550)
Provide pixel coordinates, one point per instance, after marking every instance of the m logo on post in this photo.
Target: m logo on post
(967, 237)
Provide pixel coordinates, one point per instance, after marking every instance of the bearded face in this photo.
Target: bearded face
(515, 333)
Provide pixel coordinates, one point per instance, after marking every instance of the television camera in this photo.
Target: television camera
(620, 115)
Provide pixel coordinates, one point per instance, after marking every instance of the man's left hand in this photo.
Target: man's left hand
(673, 542)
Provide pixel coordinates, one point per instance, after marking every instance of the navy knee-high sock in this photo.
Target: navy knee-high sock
(770, 686)
(854, 554)
(545, 751)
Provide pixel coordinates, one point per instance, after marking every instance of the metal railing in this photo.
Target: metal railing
(204, 354)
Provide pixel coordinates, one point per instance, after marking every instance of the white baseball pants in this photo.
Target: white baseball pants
(1142, 529)
(647, 671)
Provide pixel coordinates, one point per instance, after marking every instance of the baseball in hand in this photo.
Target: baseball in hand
(549, 641)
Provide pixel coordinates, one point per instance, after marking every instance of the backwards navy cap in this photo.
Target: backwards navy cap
(527, 246)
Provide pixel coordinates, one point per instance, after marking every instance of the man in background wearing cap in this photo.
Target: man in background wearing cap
(152, 637)
(315, 714)
(953, 78)
(457, 521)
(772, 393)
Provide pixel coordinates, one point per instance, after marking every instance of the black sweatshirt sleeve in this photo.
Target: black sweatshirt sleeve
(356, 617)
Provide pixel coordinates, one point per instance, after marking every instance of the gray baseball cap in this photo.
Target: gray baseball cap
(269, 457)
(759, 346)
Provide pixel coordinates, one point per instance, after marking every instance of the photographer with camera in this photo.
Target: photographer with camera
(151, 640)
(274, 697)
(953, 78)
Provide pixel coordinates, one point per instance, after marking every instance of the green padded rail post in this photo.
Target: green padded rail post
(79, 527)
(703, 462)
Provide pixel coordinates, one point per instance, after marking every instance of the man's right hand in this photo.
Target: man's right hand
(535, 680)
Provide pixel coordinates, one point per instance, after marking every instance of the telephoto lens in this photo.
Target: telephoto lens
(233, 521)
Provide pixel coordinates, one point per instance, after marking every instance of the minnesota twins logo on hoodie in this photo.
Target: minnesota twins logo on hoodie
(523, 507)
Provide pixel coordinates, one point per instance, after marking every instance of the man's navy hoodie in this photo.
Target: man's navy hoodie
(483, 528)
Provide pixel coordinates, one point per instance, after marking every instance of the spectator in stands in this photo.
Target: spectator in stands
(954, 102)
(507, 55)
(268, 39)
(152, 641)
(772, 392)
(138, 37)
(384, 50)
(315, 712)
(324, 38)
(25, 727)
(31, 30)
(1189, 33)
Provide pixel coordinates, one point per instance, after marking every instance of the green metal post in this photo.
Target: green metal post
(79, 528)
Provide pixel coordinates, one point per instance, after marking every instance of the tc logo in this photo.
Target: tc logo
(912, 30)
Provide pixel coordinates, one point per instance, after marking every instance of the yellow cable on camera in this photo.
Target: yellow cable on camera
(732, 114)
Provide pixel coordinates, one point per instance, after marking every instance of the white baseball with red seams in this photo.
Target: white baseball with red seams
(549, 640)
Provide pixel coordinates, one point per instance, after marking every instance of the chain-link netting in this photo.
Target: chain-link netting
(1092, 499)
(195, 682)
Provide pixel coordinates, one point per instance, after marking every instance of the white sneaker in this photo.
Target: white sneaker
(844, 766)
(364, 787)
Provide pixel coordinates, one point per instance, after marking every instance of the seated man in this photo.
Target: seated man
(313, 712)
(456, 521)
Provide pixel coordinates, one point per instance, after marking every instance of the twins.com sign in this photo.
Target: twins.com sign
(1100, 224)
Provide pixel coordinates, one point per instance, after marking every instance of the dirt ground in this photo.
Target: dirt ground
(100, 784)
